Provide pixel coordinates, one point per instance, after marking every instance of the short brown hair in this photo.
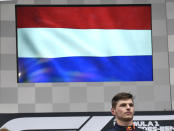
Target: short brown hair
(4, 129)
(121, 96)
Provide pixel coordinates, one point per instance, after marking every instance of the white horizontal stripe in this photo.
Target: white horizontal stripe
(96, 123)
(154, 117)
(62, 42)
(27, 123)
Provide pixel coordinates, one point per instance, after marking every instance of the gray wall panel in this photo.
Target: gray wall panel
(73, 97)
(170, 22)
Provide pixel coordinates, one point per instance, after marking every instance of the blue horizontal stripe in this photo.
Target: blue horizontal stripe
(85, 69)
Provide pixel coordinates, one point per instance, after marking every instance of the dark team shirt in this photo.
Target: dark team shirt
(125, 128)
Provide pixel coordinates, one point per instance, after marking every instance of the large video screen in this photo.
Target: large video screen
(84, 43)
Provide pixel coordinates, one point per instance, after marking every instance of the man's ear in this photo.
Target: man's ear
(113, 111)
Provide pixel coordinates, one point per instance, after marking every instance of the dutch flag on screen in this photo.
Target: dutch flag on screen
(84, 43)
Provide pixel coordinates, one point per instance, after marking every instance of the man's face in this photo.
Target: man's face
(124, 110)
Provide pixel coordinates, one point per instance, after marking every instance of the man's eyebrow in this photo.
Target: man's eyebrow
(123, 103)
(127, 103)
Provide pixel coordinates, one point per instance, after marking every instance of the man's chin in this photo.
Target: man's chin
(128, 119)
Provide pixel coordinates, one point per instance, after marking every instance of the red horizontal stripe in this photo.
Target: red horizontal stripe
(85, 17)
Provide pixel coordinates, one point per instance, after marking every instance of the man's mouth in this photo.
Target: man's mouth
(128, 113)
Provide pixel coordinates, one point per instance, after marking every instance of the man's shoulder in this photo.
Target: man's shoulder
(136, 129)
(111, 129)
(139, 129)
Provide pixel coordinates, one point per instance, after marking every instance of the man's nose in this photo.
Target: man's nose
(128, 106)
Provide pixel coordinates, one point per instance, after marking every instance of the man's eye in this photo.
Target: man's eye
(122, 105)
(131, 105)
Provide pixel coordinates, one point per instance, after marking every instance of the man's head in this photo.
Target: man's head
(4, 129)
(123, 107)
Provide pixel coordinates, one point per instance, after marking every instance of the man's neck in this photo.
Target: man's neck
(124, 123)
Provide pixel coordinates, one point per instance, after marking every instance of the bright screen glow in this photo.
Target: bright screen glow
(84, 43)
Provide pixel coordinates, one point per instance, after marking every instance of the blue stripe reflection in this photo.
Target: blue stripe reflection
(85, 69)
